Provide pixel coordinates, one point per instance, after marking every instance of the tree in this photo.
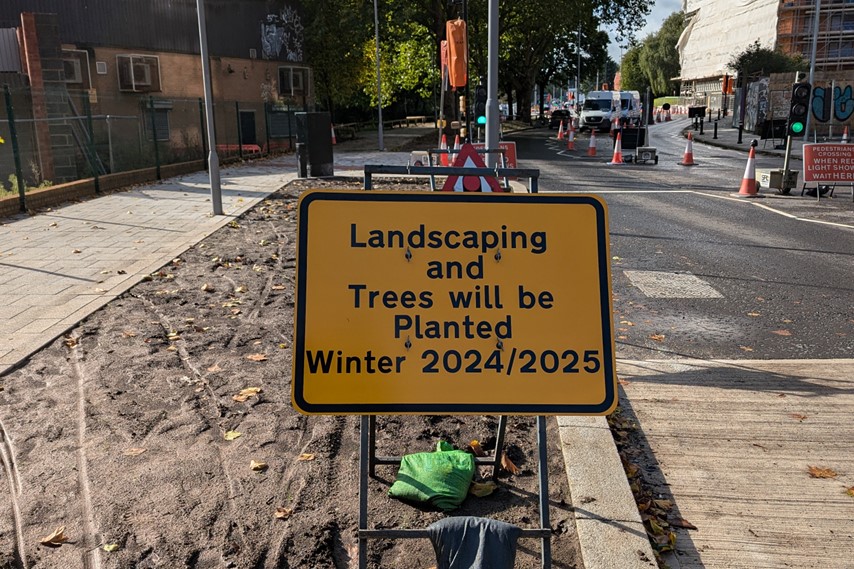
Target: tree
(758, 60)
(658, 58)
(632, 77)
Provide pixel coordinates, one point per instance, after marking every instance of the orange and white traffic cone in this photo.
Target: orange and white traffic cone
(443, 158)
(333, 134)
(456, 149)
(591, 148)
(560, 131)
(688, 159)
(667, 117)
(658, 114)
(570, 140)
(748, 182)
(618, 150)
(845, 136)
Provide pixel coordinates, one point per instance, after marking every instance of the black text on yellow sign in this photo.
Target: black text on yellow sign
(449, 303)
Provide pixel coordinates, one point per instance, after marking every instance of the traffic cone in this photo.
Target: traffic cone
(456, 149)
(748, 182)
(667, 117)
(845, 136)
(618, 150)
(591, 148)
(443, 146)
(560, 131)
(570, 140)
(658, 114)
(332, 126)
(688, 159)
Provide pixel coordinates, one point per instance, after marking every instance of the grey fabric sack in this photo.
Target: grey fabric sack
(468, 542)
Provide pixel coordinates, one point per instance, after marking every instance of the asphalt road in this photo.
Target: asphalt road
(699, 272)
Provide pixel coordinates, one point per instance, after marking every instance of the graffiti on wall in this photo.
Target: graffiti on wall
(282, 32)
(756, 113)
(840, 105)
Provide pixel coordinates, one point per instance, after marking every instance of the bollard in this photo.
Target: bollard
(701, 126)
(710, 115)
(694, 124)
(719, 114)
(740, 130)
(715, 137)
(302, 160)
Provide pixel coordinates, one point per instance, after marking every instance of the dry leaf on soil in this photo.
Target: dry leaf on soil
(214, 368)
(818, 472)
(231, 435)
(110, 547)
(258, 466)
(657, 337)
(683, 523)
(476, 448)
(481, 489)
(55, 539)
(256, 357)
(306, 456)
(850, 491)
(283, 513)
(799, 417)
(781, 332)
(508, 465)
(134, 451)
(246, 394)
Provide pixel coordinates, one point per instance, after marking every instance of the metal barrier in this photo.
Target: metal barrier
(532, 174)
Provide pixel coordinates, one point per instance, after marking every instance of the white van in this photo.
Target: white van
(630, 107)
(598, 110)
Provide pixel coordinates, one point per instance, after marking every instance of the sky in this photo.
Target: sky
(660, 10)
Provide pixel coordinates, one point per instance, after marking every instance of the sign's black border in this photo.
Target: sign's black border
(444, 408)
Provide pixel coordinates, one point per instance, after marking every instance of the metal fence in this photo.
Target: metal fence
(57, 134)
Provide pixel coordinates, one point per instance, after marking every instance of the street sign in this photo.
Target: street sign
(469, 158)
(829, 163)
(453, 303)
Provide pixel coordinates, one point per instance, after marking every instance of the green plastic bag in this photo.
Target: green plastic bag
(441, 478)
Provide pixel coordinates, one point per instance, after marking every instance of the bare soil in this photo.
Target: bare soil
(119, 433)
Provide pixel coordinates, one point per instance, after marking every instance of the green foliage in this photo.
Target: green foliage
(658, 59)
(632, 77)
(758, 60)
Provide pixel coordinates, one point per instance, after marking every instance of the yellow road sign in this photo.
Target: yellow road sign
(453, 303)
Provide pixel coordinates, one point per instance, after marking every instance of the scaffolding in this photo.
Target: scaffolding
(835, 46)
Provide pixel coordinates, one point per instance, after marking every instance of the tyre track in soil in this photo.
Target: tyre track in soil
(10, 470)
(91, 546)
(221, 413)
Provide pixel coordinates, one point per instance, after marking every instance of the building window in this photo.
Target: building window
(293, 81)
(161, 119)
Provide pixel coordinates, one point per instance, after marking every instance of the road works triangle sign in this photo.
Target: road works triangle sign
(469, 158)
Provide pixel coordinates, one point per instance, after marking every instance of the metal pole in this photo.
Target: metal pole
(93, 157)
(468, 99)
(493, 127)
(812, 63)
(202, 130)
(379, 81)
(213, 159)
(13, 134)
(154, 136)
(239, 130)
(110, 144)
(543, 477)
(363, 489)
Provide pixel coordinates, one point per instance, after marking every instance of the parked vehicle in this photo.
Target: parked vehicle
(559, 115)
(598, 110)
(630, 108)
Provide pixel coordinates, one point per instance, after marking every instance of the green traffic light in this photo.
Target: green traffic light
(481, 120)
(797, 127)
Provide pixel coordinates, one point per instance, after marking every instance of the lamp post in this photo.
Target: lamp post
(213, 159)
(379, 82)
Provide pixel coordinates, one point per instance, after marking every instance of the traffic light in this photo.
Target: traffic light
(480, 104)
(799, 108)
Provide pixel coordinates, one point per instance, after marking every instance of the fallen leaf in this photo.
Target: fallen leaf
(76, 251)
(283, 513)
(240, 289)
(508, 465)
(70, 342)
(246, 393)
(231, 435)
(746, 348)
(481, 489)
(129, 334)
(850, 491)
(664, 504)
(257, 357)
(754, 314)
(683, 523)
(657, 337)
(214, 368)
(133, 451)
(781, 332)
(110, 547)
(54, 224)
(615, 258)
(55, 539)
(258, 466)
(278, 287)
(304, 457)
(623, 381)
(818, 472)
(207, 287)
(798, 416)
(476, 448)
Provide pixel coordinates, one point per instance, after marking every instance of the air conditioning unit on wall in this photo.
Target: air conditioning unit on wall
(138, 73)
